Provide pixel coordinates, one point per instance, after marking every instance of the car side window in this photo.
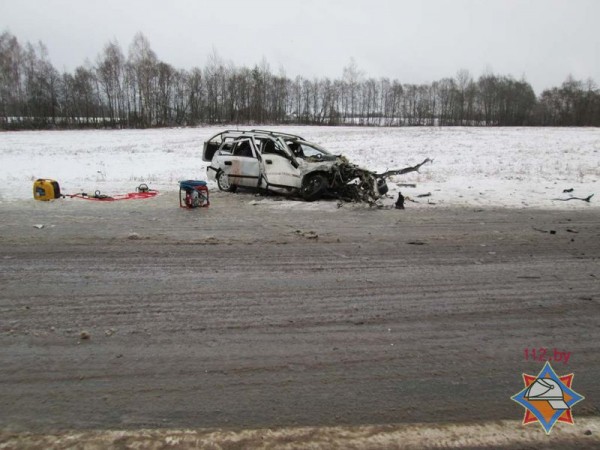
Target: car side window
(268, 147)
(227, 145)
(274, 148)
(244, 149)
(309, 151)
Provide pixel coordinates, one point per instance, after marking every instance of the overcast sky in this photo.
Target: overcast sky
(413, 41)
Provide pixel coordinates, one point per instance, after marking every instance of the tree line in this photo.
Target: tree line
(141, 91)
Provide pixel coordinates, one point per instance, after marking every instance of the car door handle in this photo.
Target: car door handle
(227, 163)
(268, 161)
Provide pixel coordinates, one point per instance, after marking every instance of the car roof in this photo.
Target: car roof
(255, 133)
(278, 134)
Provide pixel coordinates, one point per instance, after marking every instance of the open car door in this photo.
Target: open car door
(278, 166)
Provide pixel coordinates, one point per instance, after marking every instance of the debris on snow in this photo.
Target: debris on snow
(400, 201)
(586, 199)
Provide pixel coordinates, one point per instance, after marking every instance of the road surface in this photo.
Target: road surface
(270, 313)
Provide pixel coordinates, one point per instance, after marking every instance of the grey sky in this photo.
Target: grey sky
(413, 41)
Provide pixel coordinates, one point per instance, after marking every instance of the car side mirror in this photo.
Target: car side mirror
(294, 163)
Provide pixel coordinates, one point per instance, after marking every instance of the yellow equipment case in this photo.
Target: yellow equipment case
(44, 189)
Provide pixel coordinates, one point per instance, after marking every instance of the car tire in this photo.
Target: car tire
(314, 187)
(223, 182)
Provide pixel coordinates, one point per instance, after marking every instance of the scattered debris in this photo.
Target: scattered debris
(39, 226)
(424, 195)
(307, 234)
(544, 231)
(133, 236)
(400, 201)
(410, 185)
(84, 335)
(109, 332)
(566, 191)
(570, 230)
(416, 243)
(351, 183)
(586, 199)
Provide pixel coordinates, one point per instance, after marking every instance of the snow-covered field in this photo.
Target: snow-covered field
(482, 167)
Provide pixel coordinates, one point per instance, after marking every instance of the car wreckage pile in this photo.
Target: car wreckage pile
(288, 164)
(352, 183)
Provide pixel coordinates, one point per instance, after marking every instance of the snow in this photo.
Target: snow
(475, 167)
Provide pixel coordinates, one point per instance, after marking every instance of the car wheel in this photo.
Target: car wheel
(313, 187)
(224, 184)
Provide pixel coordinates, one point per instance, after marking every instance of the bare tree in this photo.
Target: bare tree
(11, 81)
(143, 63)
(352, 77)
(110, 73)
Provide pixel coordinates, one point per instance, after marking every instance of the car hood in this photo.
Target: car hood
(324, 164)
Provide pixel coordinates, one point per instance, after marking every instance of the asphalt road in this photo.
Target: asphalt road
(282, 314)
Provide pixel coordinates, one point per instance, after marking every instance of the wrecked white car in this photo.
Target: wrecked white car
(289, 164)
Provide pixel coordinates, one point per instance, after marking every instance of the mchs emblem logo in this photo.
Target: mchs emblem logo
(547, 398)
